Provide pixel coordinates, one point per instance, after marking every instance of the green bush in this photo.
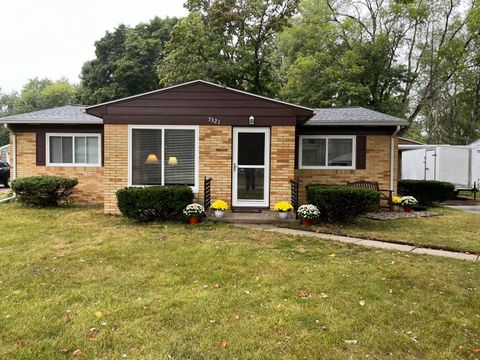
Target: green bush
(43, 190)
(426, 192)
(341, 203)
(154, 202)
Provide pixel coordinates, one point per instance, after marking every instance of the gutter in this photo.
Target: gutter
(392, 157)
(13, 151)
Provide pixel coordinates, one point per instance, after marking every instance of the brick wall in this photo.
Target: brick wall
(98, 185)
(116, 164)
(282, 167)
(90, 179)
(216, 161)
(377, 169)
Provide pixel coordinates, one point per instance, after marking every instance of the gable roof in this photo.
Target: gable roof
(68, 114)
(354, 115)
(405, 141)
(194, 82)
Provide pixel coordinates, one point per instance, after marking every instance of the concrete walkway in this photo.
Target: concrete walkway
(474, 209)
(364, 242)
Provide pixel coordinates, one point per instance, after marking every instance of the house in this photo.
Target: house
(251, 146)
(5, 153)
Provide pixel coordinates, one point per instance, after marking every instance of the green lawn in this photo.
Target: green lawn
(453, 230)
(74, 279)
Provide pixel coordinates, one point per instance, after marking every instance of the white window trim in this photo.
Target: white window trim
(73, 135)
(326, 137)
(195, 188)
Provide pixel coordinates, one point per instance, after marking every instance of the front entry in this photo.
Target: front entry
(251, 167)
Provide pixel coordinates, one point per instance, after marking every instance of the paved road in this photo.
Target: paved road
(474, 209)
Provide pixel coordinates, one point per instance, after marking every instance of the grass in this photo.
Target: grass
(74, 279)
(454, 230)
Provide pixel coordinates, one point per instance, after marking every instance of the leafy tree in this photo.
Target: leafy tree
(228, 41)
(354, 61)
(37, 94)
(392, 56)
(126, 61)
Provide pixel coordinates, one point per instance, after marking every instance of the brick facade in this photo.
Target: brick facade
(115, 163)
(282, 163)
(377, 168)
(90, 179)
(98, 185)
(216, 161)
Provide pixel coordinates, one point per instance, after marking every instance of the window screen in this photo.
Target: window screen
(146, 157)
(327, 152)
(179, 157)
(74, 149)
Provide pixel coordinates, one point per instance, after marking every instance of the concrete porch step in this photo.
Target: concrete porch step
(263, 217)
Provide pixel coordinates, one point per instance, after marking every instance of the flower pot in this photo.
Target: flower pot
(283, 214)
(193, 220)
(219, 213)
(407, 209)
(397, 208)
(306, 222)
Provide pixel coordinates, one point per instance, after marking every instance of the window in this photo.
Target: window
(163, 155)
(73, 150)
(327, 152)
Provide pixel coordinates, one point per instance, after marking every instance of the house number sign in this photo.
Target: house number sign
(214, 121)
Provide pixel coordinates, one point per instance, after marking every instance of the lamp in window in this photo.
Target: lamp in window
(152, 159)
(172, 160)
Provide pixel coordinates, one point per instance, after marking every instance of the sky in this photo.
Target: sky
(53, 38)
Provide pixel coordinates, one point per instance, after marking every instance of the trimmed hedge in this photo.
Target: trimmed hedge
(341, 203)
(43, 190)
(154, 202)
(426, 192)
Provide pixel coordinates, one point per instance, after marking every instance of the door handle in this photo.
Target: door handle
(235, 167)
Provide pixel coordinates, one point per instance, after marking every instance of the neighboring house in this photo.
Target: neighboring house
(5, 153)
(251, 146)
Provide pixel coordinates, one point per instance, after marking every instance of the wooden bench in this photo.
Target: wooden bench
(386, 195)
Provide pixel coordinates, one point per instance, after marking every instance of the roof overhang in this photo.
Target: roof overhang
(63, 122)
(358, 123)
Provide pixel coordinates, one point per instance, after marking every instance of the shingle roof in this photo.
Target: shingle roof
(68, 114)
(352, 116)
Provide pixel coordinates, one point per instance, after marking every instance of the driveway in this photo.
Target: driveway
(474, 209)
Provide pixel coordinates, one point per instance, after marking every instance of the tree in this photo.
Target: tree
(388, 55)
(126, 61)
(37, 94)
(228, 41)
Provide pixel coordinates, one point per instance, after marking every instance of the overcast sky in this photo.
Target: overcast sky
(53, 38)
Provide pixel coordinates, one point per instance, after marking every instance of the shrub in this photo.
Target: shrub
(340, 202)
(426, 192)
(154, 202)
(43, 190)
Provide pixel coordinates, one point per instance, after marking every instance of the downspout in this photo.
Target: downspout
(14, 158)
(392, 157)
(13, 151)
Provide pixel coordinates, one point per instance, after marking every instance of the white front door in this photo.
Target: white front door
(251, 167)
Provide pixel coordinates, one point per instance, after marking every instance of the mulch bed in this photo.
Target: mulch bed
(391, 215)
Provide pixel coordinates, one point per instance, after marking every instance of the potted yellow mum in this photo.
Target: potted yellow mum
(283, 208)
(397, 203)
(219, 206)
